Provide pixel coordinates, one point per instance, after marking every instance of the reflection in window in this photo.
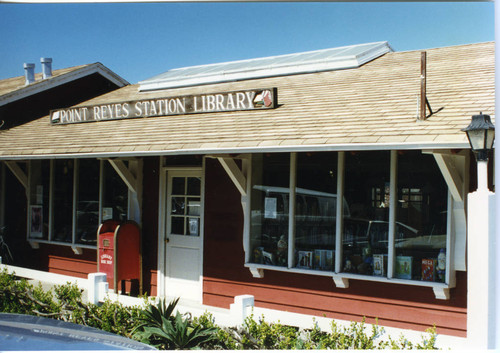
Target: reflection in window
(87, 206)
(39, 199)
(115, 200)
(269, 209)
(421, 215)
(315, 210)
(63, 200)
(366, 227)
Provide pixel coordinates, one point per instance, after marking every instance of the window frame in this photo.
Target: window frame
(341, 279)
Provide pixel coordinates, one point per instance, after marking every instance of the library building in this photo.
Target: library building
(330, 183)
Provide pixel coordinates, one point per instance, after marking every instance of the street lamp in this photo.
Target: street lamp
(481, 261)
(481, 134)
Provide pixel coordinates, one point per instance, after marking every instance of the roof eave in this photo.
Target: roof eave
(254, 149)
(43, 85)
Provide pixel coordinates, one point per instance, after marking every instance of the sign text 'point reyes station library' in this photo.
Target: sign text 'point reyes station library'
(203, 103)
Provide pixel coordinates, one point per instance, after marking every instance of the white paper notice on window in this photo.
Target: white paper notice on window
(270, 207)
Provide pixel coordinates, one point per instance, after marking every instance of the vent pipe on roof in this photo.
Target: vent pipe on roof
(423, 84)
(29, 73)
(46, 67)
(423, 101)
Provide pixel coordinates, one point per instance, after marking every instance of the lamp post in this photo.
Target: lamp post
(481, 134)
(481, 262)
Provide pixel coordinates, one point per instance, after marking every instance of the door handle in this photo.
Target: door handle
(167, 240)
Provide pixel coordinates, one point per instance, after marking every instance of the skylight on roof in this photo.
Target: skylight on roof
(313, 61)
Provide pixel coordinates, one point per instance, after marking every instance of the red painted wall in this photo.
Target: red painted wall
(225, 276)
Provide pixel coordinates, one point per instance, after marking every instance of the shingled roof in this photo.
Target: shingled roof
(374, 106)
(14, 88)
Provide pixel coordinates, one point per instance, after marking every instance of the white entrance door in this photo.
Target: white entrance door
(184, 235)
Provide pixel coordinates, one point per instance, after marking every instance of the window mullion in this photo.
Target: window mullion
(291, 209)
(392, 213)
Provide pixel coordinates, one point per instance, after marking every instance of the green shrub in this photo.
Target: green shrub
(160, 328)
(157, 324)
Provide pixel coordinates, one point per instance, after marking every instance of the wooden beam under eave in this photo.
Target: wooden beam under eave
(235, 174)
(450, 174)
(18, 172)
(124, 173)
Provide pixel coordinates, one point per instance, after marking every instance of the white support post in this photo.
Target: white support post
(241, 308)
(97, 288)
(481, 261)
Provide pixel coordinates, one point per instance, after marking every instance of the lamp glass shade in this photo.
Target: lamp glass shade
(476, 139)
(481, 133)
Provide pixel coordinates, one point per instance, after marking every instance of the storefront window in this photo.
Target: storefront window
(87, 207)
(315, 210)
(270, 209)
(366, 226)
(115, 200)
(63, 200)
(420, 238)
(39, 200)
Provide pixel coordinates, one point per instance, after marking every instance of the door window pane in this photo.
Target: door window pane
(185, 201)
(178, 205)
(269, 208)
(63, 200)
(421, 214)
(315, 210)
(366, 226)
(87, 207)
(177, 225)
(178, 186)
(194, 186)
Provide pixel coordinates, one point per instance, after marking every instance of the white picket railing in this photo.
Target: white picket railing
(97, 290)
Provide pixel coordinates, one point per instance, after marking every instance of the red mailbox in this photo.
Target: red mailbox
(119, 253)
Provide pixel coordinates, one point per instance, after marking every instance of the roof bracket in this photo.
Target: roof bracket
(18, 172)
(235, 173)
(124, 173)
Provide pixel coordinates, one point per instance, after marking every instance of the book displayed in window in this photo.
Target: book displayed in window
(305, 259)
(379, 265)
(404, 267)
(429, 269)
(323, 260)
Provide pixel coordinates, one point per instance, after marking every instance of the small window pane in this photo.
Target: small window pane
(178, 205)
(194, 186)
(193, 226)
(194, 206)
(178, 225)
(178, 186)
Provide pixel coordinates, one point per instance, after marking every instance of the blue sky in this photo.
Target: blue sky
(138, 41)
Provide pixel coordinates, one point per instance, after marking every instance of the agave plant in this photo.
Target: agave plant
(160, 328)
